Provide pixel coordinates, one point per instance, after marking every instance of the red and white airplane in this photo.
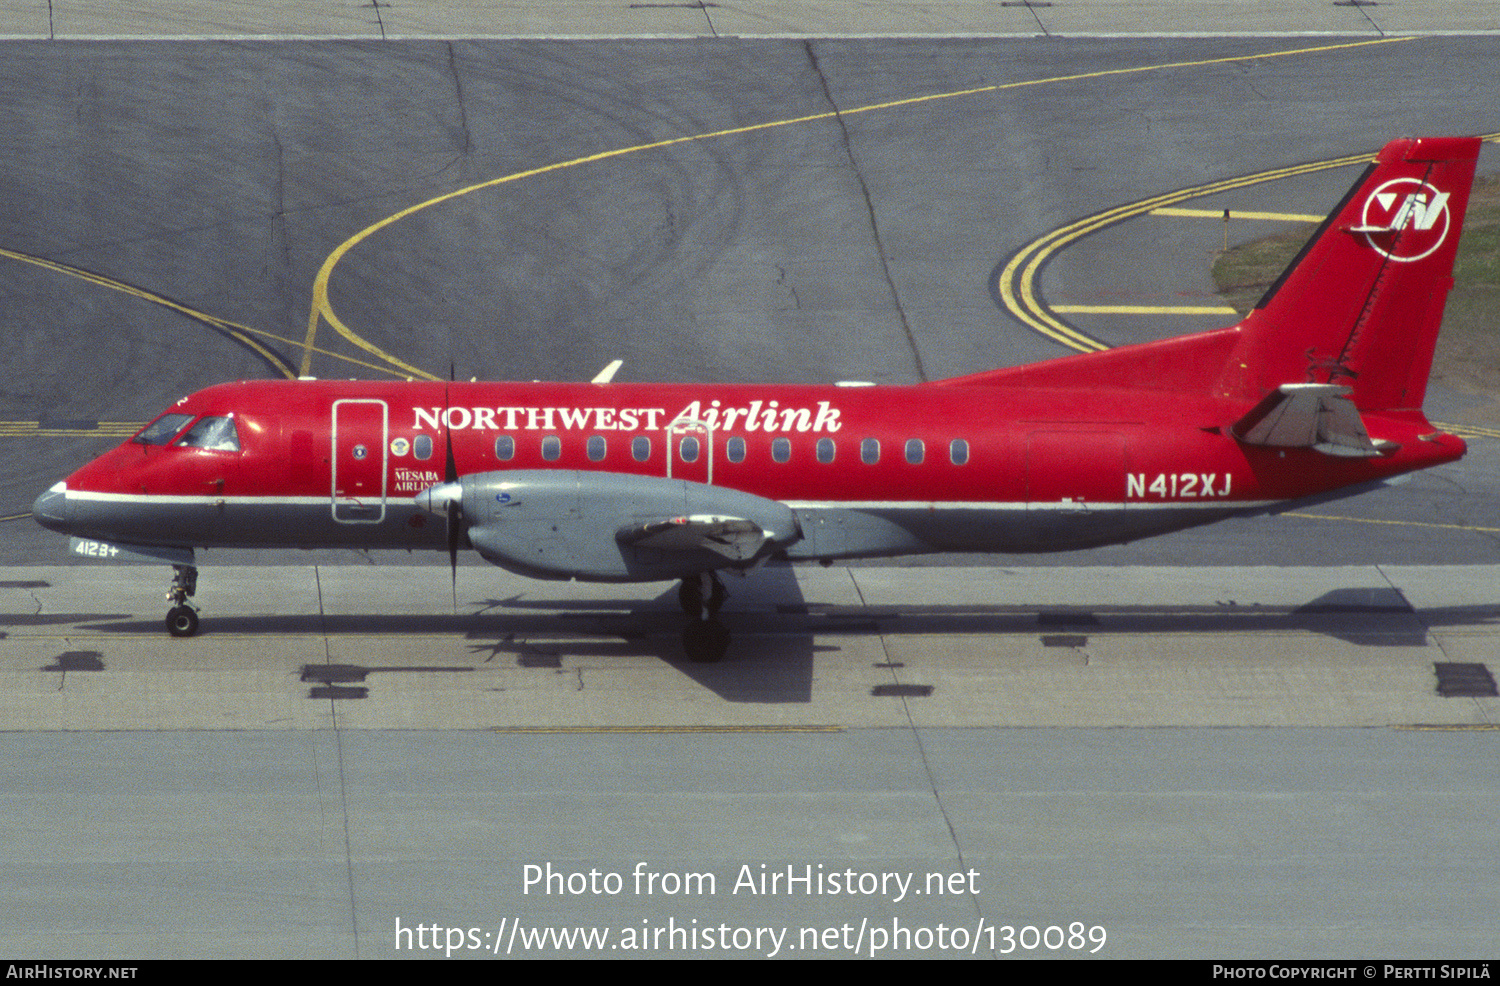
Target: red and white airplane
(1317, 392)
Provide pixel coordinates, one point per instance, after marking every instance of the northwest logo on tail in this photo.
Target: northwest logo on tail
(1405, 219)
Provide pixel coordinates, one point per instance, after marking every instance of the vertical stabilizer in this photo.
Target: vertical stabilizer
(1362, 304)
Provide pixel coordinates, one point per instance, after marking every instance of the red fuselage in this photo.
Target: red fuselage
(1316, 393)
(942, 467)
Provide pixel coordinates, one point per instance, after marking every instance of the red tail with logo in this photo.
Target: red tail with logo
(1362, 305)
(1359, 307)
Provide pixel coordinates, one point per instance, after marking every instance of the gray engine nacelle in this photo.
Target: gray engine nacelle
(613, 527)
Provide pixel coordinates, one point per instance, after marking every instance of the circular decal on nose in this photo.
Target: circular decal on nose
(1406, 219)
(360, 451)
(400, 446)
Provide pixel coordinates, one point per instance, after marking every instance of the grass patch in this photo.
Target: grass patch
(1243, 273)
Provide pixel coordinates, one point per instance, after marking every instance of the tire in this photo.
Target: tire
(705, 641)
(182, 621)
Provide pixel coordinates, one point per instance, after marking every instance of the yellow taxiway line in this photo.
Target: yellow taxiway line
(322, 307)
(1144, 310)
(1277, 217)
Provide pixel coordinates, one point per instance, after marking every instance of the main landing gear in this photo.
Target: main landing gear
(705, 639)
(182, 618)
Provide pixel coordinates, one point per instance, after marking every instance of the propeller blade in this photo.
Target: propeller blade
(447, 499)
(450, 475)
(450, 467)
(453, 547)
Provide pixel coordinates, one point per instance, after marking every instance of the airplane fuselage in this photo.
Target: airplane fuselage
(1316, 393)
(867, 470)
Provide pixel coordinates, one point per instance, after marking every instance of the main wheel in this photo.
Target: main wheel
(705, 641)
(182, 621)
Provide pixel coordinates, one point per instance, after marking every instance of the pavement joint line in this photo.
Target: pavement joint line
(391, 37)
(321, 309)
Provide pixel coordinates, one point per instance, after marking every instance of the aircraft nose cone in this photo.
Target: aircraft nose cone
(51, 508)
(435, 499)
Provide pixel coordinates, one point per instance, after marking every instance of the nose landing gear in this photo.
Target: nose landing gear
(182, 618)
(705, 639)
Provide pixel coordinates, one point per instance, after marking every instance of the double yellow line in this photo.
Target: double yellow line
(1016, 285)
(38, 429)
(322, 307)
(242, 334)
(1016, 281)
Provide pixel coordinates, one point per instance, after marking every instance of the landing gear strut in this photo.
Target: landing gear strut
(705, 639)
(182, 618)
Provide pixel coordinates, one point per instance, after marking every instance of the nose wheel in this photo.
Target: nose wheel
(705, 638)
(182, 621)
(182, 618)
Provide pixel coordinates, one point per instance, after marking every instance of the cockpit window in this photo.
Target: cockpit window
(160, 431)
(214, 434)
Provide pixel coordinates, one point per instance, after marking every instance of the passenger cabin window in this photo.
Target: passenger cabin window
(213, 434)
(914, 451)
(781, 449)
(689, 449)
(596, 448)
(869, 451)
(421, 447)
(551, 448)
(640, 448)
(958, 452)
(160, 431)
(505, 448)
(825, 450)
(735, 449)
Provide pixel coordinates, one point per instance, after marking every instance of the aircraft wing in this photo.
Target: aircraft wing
(733, 537)
(1319, 416)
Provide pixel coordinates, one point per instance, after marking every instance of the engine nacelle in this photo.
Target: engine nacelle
(613, 527)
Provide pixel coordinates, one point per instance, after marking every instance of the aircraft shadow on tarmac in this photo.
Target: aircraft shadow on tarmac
(779, 635)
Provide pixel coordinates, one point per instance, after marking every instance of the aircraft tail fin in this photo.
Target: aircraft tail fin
(1361, 305)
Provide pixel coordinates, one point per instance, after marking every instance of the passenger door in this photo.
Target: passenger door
(361, 428)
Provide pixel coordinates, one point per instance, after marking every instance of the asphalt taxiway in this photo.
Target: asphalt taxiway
(1161, 763)
(822, 210)
(352, 746)
(402, 648)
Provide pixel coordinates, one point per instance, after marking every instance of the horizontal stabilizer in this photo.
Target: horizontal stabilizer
(733, 537)
(1309, 415)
